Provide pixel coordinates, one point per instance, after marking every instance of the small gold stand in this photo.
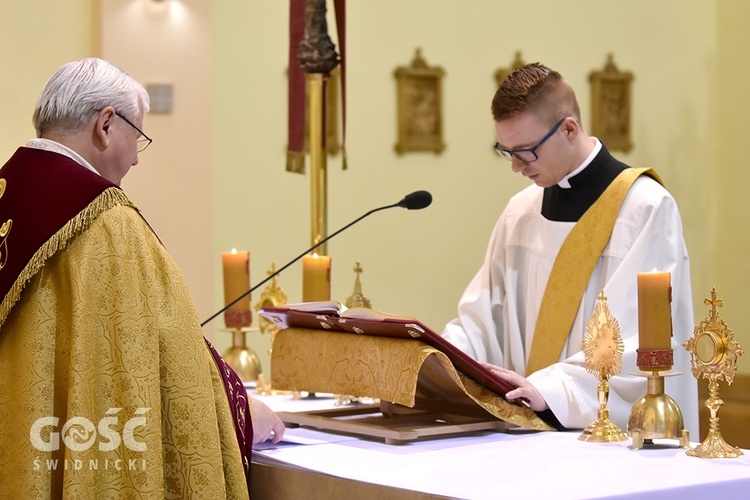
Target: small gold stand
(357, 298)
(714, 354)
(240, 357)
(656, 415)
(603, 347)
(603, 430)
(714, 445)
(271, 296)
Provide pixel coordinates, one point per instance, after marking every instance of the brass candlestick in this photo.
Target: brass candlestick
(603, 347)
(714, 354)
(240, 357)
(656, 415)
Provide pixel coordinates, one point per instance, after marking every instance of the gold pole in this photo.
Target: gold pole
(318, 57)
(318, 171)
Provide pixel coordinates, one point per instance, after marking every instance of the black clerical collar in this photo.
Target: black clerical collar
(568, 205)
(565, 182)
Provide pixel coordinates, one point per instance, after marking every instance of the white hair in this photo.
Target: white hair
(80, 88)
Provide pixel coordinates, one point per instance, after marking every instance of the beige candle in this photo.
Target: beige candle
(316, 278)
(654, 310)
(236, 266)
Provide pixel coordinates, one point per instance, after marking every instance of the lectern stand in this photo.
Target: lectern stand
(422, 392)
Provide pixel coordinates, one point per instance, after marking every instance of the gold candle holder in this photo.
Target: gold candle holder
(714, 354)
(603, 348)
(656, 415)
(240, 357)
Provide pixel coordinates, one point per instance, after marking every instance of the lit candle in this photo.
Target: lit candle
(236, 266)
(316, 278)
(654, 311)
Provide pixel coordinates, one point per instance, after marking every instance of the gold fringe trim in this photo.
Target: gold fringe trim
(295, 162)
(109, 198)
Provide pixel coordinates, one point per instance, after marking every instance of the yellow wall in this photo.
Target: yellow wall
(731, 234)
(214, 178)
(36, 40)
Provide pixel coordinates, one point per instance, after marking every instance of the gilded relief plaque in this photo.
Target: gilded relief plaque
(419, 107)
(611, 106)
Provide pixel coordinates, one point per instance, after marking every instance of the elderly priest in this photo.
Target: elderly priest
(107, 387)
(588, 223)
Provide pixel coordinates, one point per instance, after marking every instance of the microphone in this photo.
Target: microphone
(412, 201)
(416, 200)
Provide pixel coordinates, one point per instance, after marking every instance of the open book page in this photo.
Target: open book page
(365, 313)
(337, 309)
(319, 307)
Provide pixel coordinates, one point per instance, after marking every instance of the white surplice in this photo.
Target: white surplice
(498, 311)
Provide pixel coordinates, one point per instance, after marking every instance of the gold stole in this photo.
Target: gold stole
(574, 264)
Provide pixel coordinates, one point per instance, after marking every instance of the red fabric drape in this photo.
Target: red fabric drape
(340, 9)
(297, 104)
(296, 112)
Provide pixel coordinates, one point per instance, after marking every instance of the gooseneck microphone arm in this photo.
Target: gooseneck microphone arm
(413, 201)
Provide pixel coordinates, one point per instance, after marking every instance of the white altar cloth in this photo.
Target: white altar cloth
(515, 464)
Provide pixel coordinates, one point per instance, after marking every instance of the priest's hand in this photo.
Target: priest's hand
(265, 422)
(523, 388)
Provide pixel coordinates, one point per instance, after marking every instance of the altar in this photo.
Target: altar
(485, 465)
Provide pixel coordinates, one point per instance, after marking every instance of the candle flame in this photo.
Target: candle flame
(315, 255)
(234, 251)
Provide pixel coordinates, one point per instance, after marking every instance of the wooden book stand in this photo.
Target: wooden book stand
(421, 394)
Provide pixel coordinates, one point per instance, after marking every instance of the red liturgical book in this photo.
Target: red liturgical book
(333, 316)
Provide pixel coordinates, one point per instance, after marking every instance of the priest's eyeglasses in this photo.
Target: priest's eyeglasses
(526, 155)
(144, 141)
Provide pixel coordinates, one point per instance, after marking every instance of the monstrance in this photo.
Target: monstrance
(271, 296)
(714, 354)
(603, 348)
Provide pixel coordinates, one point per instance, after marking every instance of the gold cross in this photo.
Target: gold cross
(714, 303)
(272, 270)
(273, 288)
(601, 296)
(358, 269)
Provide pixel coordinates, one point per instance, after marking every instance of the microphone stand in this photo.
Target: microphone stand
(298, 258)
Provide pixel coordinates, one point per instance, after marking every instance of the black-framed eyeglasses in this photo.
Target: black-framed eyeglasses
(144, 141)
(526, 155)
